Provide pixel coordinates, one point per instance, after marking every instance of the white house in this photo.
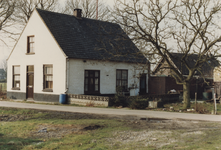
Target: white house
(58, 53)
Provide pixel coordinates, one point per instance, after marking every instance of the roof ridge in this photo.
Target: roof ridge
(75, 17)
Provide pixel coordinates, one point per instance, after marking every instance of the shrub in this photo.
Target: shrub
(120, 101)
(139, 103)
(201, 108)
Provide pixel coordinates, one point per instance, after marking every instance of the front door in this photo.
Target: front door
(30, 82)
(143, 84)
(92, 82)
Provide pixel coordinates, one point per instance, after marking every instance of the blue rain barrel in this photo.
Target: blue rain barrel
(62, 98)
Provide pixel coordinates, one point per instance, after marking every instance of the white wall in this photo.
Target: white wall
(107, 69)
(47, 51)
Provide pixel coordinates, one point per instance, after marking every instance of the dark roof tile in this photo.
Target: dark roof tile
(91, 39)
(206, 69)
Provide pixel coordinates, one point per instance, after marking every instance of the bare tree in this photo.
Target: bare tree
(6, 10)
(161, 28)
(25, 8)
(4, 66)
(88, 8)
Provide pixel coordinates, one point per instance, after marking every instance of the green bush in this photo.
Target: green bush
(139, 103)
(120, 101)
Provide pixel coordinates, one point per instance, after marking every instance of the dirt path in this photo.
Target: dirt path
(115, 112)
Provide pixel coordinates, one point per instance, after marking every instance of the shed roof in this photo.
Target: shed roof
(206, 68)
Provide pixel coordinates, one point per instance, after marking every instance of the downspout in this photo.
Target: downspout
(148, 75)
(67, 75)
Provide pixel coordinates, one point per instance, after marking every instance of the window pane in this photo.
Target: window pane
(16, 84)
(31, 45)
(118, 83)
(96, 87)
(17, 78)
(122, 79)
(31, 39)
(49, 84)
(86, 80)
(118, 74)
(16, 69)
(48, 70)
(48, 78)
(124, 88)
(86, 73)
(86, 88)
(91, 81)
(31, 50)
(96, 80)
(124, 83)
(124, 74)
(96, 74)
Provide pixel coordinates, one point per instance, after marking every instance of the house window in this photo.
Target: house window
(16, 77)
(31, 42)
(92, 82)
(122, 79)
(48, 78)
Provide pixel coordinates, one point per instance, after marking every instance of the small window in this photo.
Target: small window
(92, 82)
(122, 79)
(31, 42)
(48, 77)
(16, 77)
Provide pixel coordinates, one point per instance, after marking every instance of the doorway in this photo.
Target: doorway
(142, 84)
(30, 82)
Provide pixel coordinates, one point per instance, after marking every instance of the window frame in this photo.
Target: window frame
(45, 89)
(29, 45)
(121, 79)
(89, 90)
(13, 77)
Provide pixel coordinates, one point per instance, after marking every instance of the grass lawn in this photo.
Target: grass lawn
(3, 86)
(201, 108)
(22, 129)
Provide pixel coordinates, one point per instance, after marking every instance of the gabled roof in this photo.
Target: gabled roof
(206, 69)
(91, 39)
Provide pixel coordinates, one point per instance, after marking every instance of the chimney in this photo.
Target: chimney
(77, 13)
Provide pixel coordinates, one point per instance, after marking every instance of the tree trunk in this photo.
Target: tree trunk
(186, 95)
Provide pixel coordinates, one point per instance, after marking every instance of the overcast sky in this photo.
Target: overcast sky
(5, 50)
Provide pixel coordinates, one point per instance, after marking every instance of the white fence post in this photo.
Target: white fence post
(215, 103)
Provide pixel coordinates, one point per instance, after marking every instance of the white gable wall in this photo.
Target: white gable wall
(77, 67)
(46, 50)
